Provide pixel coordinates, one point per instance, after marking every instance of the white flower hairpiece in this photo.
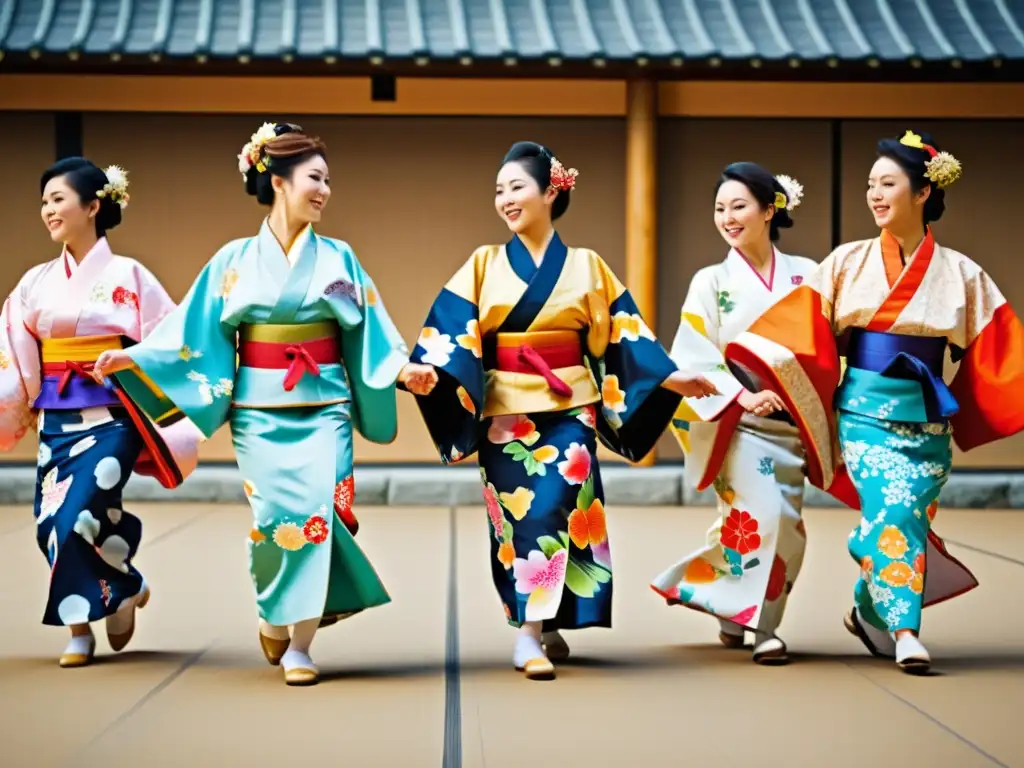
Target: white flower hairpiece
(250, 154)
(116, 187)
(793, 189)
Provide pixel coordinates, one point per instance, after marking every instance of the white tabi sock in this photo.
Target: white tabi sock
(293, 659)
(80, 645)
(303, 634)
(528, 644)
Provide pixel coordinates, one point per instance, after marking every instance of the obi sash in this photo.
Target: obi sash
(67, 381)
(917, 359)
(296, 349)
(536, 353)
(68, 385)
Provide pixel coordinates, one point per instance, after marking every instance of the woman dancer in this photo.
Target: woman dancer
(529, 337)
(60, 317)
(894, 303)
(318, 356)
(742, 441)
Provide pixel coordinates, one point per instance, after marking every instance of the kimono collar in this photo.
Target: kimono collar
(270, 245)
(894, 264)
(522, 262)
(97, 253)
(738, 255)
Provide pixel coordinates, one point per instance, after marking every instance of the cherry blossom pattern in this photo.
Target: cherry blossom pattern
(740, 537)
(316, 529)
(123, 297)
(613, 400)
(542, 578)
(470, 340)
(587, 415)
(504, 429)
(576, 467)
(438, 347)
(344, 496)
(629, 327)
(209, 392)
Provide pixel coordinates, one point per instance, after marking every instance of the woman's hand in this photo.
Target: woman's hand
(762, 403)
(690, 386)
(111, 361)
(418, 379)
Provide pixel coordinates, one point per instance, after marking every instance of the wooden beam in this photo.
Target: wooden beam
(498, 97)
(642, 202)
(312, 95)
(978, 101)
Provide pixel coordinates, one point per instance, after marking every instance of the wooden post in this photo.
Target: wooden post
(642, 203)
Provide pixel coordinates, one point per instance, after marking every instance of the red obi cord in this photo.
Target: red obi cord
(297, 359)
(540, 361)
(66, 370)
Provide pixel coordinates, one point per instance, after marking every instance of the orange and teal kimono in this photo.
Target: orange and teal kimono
(878, 430)
(536, 364)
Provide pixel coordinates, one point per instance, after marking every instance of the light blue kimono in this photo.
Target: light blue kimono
(294, 448)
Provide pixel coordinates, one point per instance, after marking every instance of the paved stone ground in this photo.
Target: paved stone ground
(663, 485)
(427, 680)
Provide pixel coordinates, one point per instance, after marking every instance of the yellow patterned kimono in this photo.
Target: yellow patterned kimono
(525, 353)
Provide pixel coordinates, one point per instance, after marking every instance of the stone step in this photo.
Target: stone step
(432, 486)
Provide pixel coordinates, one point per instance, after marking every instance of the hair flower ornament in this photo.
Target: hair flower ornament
(942, 169)
(794, 192)
(116, 188)
(561, 179)
(251, 153)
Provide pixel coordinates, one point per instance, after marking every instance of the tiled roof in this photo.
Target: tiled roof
(547, 31)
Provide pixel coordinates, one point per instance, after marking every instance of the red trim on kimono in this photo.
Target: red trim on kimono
(728, 420)
(155, 460)
(989, 381)
(903, 282)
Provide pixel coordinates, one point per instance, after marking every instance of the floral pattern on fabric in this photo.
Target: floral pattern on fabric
(898, 471)
(87, 538)
(755, 548)
(550, 552)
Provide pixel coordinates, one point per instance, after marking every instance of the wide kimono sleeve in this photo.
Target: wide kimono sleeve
(989, 382)
(187, 364)
(374, 354)
(19, 371)
(635, 408)
(154, 301)
(791, 349)
(450, 341)
(696, 350)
